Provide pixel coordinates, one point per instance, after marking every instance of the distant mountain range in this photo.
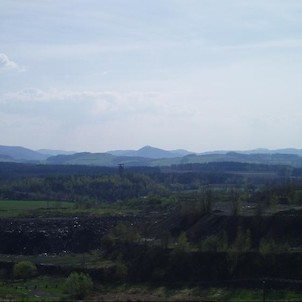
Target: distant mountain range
(151, 152)
(149, 156)
(19, 154)
(49, 152)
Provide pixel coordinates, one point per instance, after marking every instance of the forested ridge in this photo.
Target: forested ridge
(253, 182)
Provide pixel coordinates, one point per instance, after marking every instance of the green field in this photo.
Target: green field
(44, 288)
(15, 208)
(24, 208)
(9, 205)
(91, 260)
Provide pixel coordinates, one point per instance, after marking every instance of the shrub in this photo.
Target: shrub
(78, 285)
(24, 270)
(211, 243)
(121, 269)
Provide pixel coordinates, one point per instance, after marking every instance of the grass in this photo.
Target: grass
(16, 208)
(149, 293)
(91, 260)
(249, 295)
(51, 288)
(42, 208)
(24, 208)
(41, 288)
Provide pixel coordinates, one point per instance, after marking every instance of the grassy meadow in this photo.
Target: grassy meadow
(19, 208)
(51, 289)
(42, 208)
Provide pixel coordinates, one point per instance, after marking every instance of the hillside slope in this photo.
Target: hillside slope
(21, 153)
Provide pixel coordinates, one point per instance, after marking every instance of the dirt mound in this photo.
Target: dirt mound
(55, 235)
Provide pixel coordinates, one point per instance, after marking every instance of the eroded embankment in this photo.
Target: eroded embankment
(81, 234)
(283, 227)
(55, 235)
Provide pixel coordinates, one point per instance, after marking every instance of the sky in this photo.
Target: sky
(201, 75)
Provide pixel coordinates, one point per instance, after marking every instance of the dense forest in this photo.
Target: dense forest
(80, 184)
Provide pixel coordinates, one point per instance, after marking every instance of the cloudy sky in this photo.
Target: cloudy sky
(98, 75)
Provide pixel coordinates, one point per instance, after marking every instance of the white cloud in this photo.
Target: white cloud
(7, 64)
(27, 94)
(97, 104)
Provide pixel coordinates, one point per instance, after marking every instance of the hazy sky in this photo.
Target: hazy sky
(99, 75)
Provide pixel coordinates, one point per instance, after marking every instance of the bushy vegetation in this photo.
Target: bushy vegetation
(24, 270)
(78, 285)
(81, 189)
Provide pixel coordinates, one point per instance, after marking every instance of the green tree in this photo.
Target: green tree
(182, 242)
(298, 197)
(236, 202)
(242, 241)
(269, 245)
(121, 268)
(165, 238)
(24, 270)
(78, 285)
(208, 201)
(180, 256)
(125, 233)
(214, 243)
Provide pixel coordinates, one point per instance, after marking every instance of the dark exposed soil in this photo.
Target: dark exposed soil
(81, 234)
(55, 235)
(283, 227)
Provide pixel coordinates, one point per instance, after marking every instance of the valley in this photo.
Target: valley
(186, 231)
